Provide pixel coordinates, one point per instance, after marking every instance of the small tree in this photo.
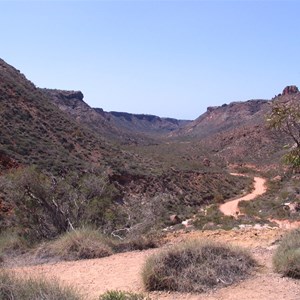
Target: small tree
(46, 205)
(285, 117)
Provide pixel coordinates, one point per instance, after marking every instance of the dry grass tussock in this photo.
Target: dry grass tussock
(12, 288)
(78, 244)
(196, 266)
(86, 243)
(286, 259)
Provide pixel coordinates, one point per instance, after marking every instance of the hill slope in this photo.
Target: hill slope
(237, 132)
(226, 117)
(35, 131)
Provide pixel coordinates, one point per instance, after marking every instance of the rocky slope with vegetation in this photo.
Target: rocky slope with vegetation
(34, 131)
(237, 132)
(225, 118)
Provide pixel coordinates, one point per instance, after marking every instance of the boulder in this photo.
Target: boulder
(175, 219)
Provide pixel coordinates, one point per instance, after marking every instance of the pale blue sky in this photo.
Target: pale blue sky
(169, 58)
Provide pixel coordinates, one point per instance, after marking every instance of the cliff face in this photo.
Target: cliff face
(120, 126)
(150, 125)
(71, 102)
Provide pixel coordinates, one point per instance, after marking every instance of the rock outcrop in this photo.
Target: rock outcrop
(290, 89)
(72, 95)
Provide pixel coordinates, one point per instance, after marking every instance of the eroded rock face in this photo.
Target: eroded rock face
(290, 89)
(70, 95)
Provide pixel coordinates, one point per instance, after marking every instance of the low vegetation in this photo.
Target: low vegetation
(196, 266)
(121, 295)
(45, 206)
(273, 204)
(10, 242)
(286, 259)
(13, 288)
(213, 218)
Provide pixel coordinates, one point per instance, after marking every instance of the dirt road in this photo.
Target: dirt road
(230, 208)
(123, 271)
(93, 277)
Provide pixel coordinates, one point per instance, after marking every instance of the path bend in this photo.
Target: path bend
(231, 208)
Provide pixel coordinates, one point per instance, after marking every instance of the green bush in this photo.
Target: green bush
(196, 266)
(286, 259)
(12, 288)
(120, 295)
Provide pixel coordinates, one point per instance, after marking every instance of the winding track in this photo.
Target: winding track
(231, 208)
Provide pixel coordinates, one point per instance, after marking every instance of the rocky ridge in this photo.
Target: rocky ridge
(121, 126)
(224, 118)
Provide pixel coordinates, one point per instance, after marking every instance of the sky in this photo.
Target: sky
(167, 58)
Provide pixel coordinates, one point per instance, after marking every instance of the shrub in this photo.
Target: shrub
(78, 244)
(196, 266)
(12, 288)
(120, 295)
(286, 259)
(11, 242)
(46, 206)
(136, 243)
